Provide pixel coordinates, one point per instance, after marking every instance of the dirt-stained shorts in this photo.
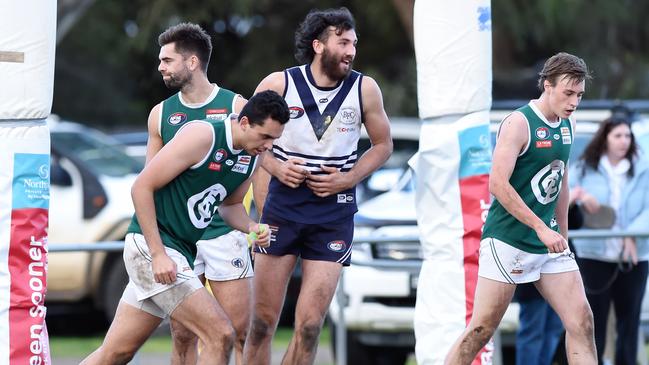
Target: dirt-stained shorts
(142, 291)
(505, 263)
(224, 258)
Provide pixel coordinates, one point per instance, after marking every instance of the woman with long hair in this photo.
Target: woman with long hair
(611, 173)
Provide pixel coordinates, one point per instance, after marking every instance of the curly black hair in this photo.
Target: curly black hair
(316, 25)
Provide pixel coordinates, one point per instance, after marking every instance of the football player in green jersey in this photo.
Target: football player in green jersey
(222, 253)
(175, 198)
(525, 235)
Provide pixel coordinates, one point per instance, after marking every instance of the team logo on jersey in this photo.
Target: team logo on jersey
(542, 133)
(214, 166)
(177, 118)
(348, 116)
(240, 168)
(295, 112)
(229, 162)
(556, 136)
(201, 207)
(216, 114)
(237, 262)
(337, 246)
(546, 183)
(220, 155)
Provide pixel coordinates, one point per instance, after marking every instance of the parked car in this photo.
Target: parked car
(380, 302)
(90, 201)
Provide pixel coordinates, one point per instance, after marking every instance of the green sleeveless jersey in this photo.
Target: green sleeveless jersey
(175, 113)
(185, 207)
(537, 179)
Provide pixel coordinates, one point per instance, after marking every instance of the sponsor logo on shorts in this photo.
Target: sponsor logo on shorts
(542, 133)
(345, 198)
(237, 262)
(186, 269)
(337, 246)
(220, 155)
(518, 267)
(177, 118)
(544, 144)
(295, 112)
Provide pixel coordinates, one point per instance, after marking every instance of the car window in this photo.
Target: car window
(99, 156)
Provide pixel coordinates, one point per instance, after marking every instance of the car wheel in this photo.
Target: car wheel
(116, 279)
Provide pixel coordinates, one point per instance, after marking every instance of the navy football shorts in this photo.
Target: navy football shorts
(331, 241)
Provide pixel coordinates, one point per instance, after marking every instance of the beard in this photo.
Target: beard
(331, 66)
(178, 81)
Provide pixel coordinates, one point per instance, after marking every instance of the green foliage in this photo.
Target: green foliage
(611, 36)
(106, 67)
(106, 70)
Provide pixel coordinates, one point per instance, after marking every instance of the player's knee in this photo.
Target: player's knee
(182, 337)
(240, 338)
(580, 322)
(309, 333)
(221, 338)
(260, 329)
(480, 334)
(119, 356)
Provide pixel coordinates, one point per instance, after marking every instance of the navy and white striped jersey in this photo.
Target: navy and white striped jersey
(324, 129)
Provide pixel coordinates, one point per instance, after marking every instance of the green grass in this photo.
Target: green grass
(71, 347)
(82, 346)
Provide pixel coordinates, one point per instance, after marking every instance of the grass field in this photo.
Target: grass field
(82, 346)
